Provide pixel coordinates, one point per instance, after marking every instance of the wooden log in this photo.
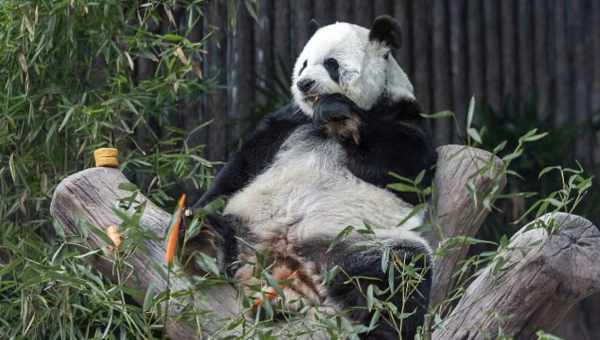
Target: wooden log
(455, 211)
(532, 283)
(88, 198)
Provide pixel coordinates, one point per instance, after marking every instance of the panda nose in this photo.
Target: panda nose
(305, 85)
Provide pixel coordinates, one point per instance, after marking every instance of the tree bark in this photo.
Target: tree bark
(457, 211)
(532, 283)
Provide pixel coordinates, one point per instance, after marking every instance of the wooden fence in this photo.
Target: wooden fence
(543, 49)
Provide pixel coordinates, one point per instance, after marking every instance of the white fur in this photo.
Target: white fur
(308, 194)
(365, 75)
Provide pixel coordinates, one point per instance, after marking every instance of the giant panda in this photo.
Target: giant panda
(323, 163)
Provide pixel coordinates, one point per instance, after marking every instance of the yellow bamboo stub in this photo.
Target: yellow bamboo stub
(106, 157)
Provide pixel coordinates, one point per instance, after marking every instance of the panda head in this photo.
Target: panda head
(353, 61)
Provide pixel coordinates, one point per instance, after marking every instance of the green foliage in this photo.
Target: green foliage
(537, 181)
(73, 80)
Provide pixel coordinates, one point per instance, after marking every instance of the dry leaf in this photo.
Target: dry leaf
(113, 233)
(179, 52)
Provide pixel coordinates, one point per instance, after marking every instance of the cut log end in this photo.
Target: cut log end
(541, 276)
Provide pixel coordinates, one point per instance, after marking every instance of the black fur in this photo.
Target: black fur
(393, 138)
(333, 68)
(386, 29)
(226, 229)
(333, 107)
(366, 267)
(255, 154)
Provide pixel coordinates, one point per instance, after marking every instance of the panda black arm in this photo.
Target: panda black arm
(394, 138)
(254, 155)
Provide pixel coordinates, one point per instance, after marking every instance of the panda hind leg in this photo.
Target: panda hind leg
(217, 238)
(410, 293)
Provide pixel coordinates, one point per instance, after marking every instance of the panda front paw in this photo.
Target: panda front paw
(333, 108)
(338, 116)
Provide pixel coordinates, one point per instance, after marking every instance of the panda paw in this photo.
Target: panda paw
(339, 117)
(333, 108)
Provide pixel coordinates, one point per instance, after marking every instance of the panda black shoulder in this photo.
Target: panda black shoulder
(394, 138)
(255, 154)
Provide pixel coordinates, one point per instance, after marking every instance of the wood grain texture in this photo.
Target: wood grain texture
(441, 83)
(242, 92)
(525, 49)
(421, 13)
(324, 12)
(455, 212)
(402, 10)
(541, 277)
(88, 197)
(215, 67)
(475, 47)
(493, 90)
(459, 67)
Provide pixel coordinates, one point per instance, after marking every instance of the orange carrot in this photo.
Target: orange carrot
(174, 231)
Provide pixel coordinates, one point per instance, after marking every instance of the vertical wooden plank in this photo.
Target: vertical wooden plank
(264, 54)
(542, 71)
(509, 47)
(324, 11)
(193, 107)
(578, 35)
(421, 12)
(381, 7)
(216, 68)
(402, 10)
(459, 64)
(363, 13)
(343, 11)
(561, 63)
(301, 13)
(241, 78)
(492, 53)
(281, 39)
(525, 43)
(475, 48)
(595, 71)
(552, 56)
(441, 84)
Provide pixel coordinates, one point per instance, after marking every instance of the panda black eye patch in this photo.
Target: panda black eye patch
(333, 68)
(303, 67)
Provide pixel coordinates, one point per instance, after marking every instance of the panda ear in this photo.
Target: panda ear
(313, 26)
(386, 29)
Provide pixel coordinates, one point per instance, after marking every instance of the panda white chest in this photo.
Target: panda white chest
(308, 193)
